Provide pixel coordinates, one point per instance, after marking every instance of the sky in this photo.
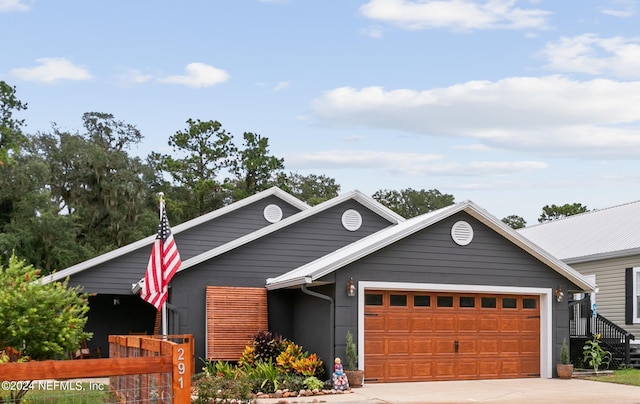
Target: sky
(511, 104)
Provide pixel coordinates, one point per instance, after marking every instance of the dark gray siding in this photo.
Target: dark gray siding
(267, 257)
(430, 256)
(117, 275)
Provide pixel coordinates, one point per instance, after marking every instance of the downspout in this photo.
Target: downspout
(332, 331)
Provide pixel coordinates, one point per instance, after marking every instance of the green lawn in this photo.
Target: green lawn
(623, 376)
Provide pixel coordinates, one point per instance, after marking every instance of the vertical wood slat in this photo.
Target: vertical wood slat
(234, 315)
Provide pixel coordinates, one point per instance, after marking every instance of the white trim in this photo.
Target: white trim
(546, 313)
(147, 241)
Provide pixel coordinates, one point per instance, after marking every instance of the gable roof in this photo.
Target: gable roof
(356, 195)
(331, 262)
(147, 241)
(605, 233)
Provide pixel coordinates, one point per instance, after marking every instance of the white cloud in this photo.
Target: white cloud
(591, 54)
(281, 86)
(620, 8)
(553, 115)
(458, 15)
(51, 70)
(198, 75)
(405, 164)
(133, 76)
(7, 6)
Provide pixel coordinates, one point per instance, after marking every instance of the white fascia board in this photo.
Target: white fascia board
(533, 249)
(361, 248)
(56, 276)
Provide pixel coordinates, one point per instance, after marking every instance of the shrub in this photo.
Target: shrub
(223, 390)
(313, 383)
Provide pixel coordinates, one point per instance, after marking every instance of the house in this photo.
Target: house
(449, 295)
(452, 294)
(605, 246)
(108, 278)
(235, 249)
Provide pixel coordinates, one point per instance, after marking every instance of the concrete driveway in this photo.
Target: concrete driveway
(520, 391)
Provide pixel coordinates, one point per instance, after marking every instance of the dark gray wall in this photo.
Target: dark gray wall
(267, 257)
(430, 256)
(117, 275)
(127, 314)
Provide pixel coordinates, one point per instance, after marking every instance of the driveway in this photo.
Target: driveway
(520, 391)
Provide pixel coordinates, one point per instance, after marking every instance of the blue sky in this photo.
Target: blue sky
(511, 104)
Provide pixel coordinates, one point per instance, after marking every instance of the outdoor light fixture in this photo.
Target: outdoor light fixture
(351, 288)
(116, 301)
(559, 294)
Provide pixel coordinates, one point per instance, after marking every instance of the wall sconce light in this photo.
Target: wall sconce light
(116, 301)
(351, 288)
(559, 294)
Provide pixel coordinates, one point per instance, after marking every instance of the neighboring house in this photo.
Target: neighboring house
(452, 294)
(604, 244)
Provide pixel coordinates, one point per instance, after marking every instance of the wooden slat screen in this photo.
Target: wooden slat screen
(234, 315)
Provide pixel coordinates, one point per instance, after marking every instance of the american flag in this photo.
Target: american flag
(163, 264)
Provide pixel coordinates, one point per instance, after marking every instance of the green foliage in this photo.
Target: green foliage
(564, 352)
(267, 373)
(220, 369)
(515, 221)
(555, 212)
(44, 320)
(411, 203)
(313, 383)
(222, 390)
(254, 168)
(208, 149)
(351, 352)
(312, 189)
(594, 355)
(10, 129)
(264, 347)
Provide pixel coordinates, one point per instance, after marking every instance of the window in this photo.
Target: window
(529, 303)
(488, 302)
(509, 302)
(373, 299)
(421, 301)
(398, 300)
(467, 301)
(444, 301)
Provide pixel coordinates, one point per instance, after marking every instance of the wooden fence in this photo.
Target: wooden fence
(135, 363)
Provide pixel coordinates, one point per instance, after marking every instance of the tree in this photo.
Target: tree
(515, 221)
(254, 168)
(555, 212)
(209, 149)
(44, 321)
(410, 203)
(312, 189)
(95, 181)
(10, 129)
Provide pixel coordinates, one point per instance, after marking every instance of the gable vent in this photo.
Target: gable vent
(272, 213)
(351, 220)
(462, 232)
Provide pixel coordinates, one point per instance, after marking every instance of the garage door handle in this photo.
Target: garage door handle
(456, 345)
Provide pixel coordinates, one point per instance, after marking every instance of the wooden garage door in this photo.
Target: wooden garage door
(421, 336)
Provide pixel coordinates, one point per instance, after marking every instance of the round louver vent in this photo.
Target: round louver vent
(462, 233)
(272, 213)
(351, 220)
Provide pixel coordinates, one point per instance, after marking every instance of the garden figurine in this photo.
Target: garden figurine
(340, 381)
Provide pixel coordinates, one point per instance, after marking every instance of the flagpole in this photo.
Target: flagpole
(164, 305)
